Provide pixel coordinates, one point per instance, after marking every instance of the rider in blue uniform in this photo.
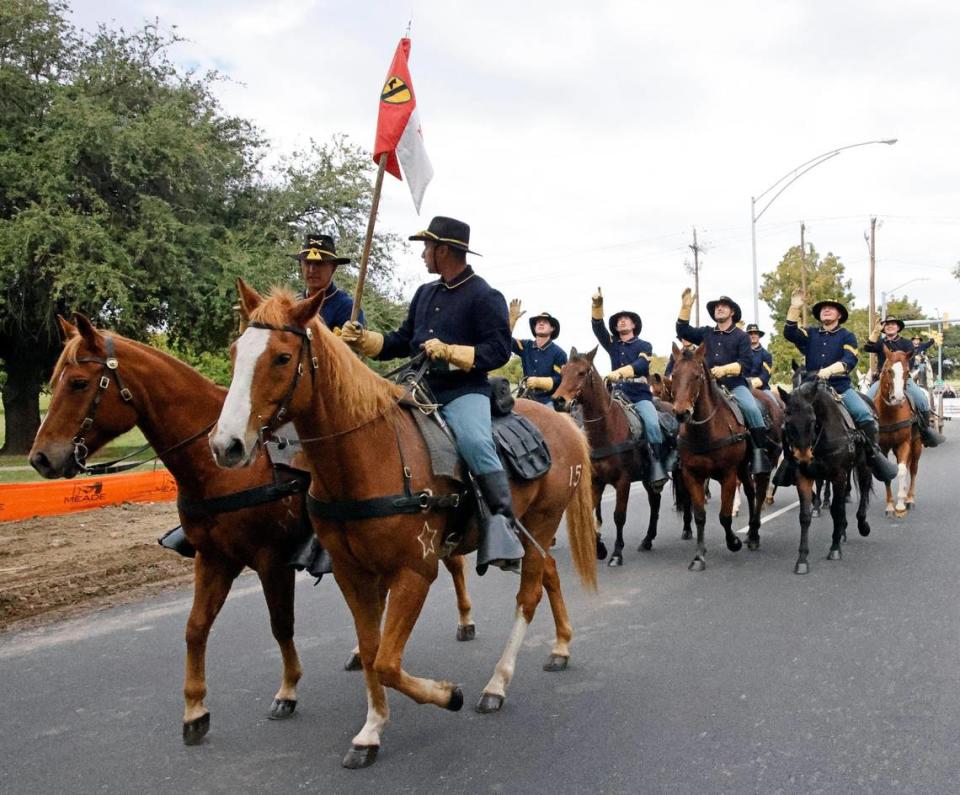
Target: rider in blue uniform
(831, 354)
(890, 328)
(542, 359)
(318, 262)
(728, 357)
(919, 347)
(461, 323)
(630, 359)
(761, 363)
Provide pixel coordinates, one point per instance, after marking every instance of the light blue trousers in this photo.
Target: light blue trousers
(748, 404)
(651, 422)
(857, 407)
(469, 418)
(917, 395)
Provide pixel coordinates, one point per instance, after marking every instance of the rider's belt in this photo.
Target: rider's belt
(378, 507)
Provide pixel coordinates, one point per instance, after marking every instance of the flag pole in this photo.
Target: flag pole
(368, 241)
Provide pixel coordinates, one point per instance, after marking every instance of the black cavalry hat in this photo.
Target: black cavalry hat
(448, 231)
(724, 299)
(753, 328)
(900, 324)
(550, 319)
(612, 322)
(840, 308)
(319, 248)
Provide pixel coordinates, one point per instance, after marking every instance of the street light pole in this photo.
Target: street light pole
(782, 184)
(885, 293)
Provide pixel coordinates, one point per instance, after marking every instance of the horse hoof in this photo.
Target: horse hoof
(557, 662)
(615, 560)
(360, 756)
(815, 513)
(645, 546)
(687, 534)
(195, 730)
(489, 702)
(769, 501)
(467, 632)
(282, 708)
(802, 567)
(601, 550)
(911, 506)
(835, 554)
(753, 546)
(697, 564)
(353, 663)
(734, 544)
(455, 704)
(900, 512)
(864, 529)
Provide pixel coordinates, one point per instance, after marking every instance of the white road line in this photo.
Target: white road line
(770, 516)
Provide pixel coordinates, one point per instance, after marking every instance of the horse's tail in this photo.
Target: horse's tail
(681, 497)
(581, 526)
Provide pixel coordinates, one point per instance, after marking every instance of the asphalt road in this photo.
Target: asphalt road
(743, 678)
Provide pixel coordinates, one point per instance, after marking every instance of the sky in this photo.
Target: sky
(583, 142)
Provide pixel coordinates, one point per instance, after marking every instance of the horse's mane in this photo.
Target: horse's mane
(362, 392)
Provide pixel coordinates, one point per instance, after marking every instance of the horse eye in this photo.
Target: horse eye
(79, 384)
(282, 358)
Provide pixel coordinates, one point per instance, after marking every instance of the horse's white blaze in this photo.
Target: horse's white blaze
(897, 381)
(235, 415)
(503, 673)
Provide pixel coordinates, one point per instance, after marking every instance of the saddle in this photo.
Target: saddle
(669, 428)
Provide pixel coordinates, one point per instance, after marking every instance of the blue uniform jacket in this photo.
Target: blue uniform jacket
(541, 362)
(723, 347)
(882, 345)
(636, 352)
(467, 311)
(822, 348)
(761, 365)
(336, 307)
(921, 348)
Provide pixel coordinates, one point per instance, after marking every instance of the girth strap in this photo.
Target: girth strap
(897, 425)
(259, 495)
(682, 441)
(612, 449)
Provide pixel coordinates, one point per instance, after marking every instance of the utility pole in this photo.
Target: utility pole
(803, 275)
(696, 249)
(872, 244)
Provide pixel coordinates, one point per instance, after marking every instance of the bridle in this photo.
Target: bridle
(578, 395)
(701, 378)
(306, 353)
(110, 364)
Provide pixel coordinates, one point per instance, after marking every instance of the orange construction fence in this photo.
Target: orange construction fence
(26, 500)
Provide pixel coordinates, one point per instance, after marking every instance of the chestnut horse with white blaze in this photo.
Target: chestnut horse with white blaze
(118, 383)
(364, 449)
(898, 430)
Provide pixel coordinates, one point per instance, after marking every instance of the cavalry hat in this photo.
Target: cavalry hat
(319, 248)
(840, 308)
(612, 322)
(753, 328)
(900, 324)
(724, 299)
(448, 231)
(550, 319)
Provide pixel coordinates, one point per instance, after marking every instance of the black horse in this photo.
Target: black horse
(824, 449)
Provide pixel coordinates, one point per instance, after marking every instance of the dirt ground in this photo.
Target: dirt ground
(55, 567)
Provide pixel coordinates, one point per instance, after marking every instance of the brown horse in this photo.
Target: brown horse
(616, 461)
(175, 406)
(898, 430)
(362, 446)
(713, 444)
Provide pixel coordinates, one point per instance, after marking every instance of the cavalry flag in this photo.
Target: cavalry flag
(399, 136)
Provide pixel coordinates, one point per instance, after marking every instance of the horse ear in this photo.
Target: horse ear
(67, 329)
(784, 395)
(676, 352)
(589, 356)
(657, 378)
(573, 353)
(701, 351)
(793, 365)
(90, 335)
(250, 299)
(304, 311)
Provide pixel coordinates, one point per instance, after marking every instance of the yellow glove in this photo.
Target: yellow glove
(619, 374)
(723, 370)
(837, 368)
(543, 383)
(516, 312)
(460, 356)
(937, 337)
(596, 305)
(362, 340)
(756, 383)
(686, 304)
(796, 306)
(877, 330)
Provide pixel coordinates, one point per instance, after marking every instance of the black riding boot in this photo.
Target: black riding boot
(500, 531)
(657, 472)
(786, 474)
(177, 540)
(759, 462)
(882, 467)
(312, 557)
(929, 436)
